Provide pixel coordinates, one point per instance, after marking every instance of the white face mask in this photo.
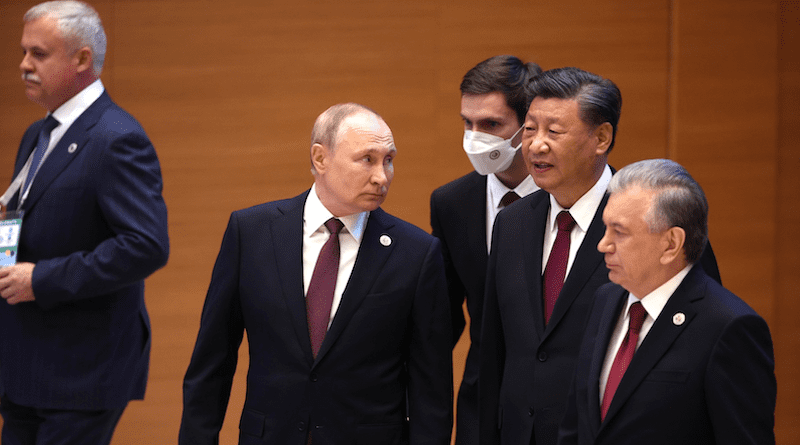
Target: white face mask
(489, 153)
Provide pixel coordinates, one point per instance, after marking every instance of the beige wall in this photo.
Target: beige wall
(228, 92)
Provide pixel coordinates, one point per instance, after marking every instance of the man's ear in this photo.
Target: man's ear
(84, 60)
(319, 157)
(604, 134)
(673, 239)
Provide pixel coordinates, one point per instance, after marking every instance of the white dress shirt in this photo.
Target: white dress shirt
(582, 212)
(315, 234)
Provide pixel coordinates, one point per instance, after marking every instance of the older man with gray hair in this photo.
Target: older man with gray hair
(74, 330)
(669, 356)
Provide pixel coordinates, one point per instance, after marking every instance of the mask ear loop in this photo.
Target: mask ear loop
(511, 139)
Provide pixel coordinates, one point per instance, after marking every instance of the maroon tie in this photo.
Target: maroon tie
(624, 356)
(319, 297)
(509, 198)
(556, 268)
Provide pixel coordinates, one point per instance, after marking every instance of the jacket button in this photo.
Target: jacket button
(542, 356)
(313, 377)
(530, 412)
(301, 426)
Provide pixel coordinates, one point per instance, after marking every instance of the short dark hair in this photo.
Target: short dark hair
(505, 74)
(599, 99)
(679, 201)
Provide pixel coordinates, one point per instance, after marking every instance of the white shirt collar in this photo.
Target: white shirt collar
(70, 110)
(584, 209)
(315, 214)
(496, 189)
(655, 301)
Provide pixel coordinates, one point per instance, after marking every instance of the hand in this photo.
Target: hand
(15, 283)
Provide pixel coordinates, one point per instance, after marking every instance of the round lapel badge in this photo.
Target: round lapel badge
(678, 319)
(72, 147)
(385, 240)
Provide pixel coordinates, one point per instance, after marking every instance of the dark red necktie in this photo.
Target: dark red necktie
(319, 296)
(556, 268)
(509, 198)
(624, 356)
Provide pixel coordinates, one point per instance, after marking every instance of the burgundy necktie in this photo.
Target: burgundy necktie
(624, 356)
(509, 198)
(319, 296)
(556, 268)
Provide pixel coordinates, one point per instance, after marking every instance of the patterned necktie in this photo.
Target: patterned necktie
(41, 147)
(319, 296)
(509, 198)
(556, 268)
(624, 356)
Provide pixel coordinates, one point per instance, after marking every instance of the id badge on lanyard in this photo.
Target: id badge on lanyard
(10, 226)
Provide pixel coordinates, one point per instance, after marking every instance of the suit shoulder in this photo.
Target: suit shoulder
(268, 210)
(408, 230)
(115, 120)
(456, 188)
(525, 206)
(723, 303)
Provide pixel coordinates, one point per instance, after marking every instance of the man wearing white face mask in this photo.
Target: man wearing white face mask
(493, 106)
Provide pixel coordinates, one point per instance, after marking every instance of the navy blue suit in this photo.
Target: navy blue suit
(709, 379)
(95, 225)
(458, 219)
(526, 367)
(386, 355)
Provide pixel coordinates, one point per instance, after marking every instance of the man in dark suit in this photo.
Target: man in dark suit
(544, 268)
(669, 356)
(493, 105)
(377, 369)
(74, 330)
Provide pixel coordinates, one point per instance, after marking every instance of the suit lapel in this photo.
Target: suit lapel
(659, 339)
(67, 149)
(587, 260)
(475, 216)
(372, 255)
(287, 236)
(533, 240)
(615, 300)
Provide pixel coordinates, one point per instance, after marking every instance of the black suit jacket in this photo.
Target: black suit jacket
(385, 358)
(525, 366)
(707, 380)
(95, 224)
(458, 219)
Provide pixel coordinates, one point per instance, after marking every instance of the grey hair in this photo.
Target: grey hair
(679, 201)
(79, 24)
(327, 127)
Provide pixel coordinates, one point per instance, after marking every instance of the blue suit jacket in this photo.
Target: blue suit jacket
(95, 225)
(385, 358)
(526, 367)
(707, 380)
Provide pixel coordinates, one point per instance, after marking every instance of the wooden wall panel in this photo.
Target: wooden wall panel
(785, 330)
(228, 92)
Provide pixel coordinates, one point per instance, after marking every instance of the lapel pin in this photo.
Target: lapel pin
(72, 147)
(678, 319)
(385, 240)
